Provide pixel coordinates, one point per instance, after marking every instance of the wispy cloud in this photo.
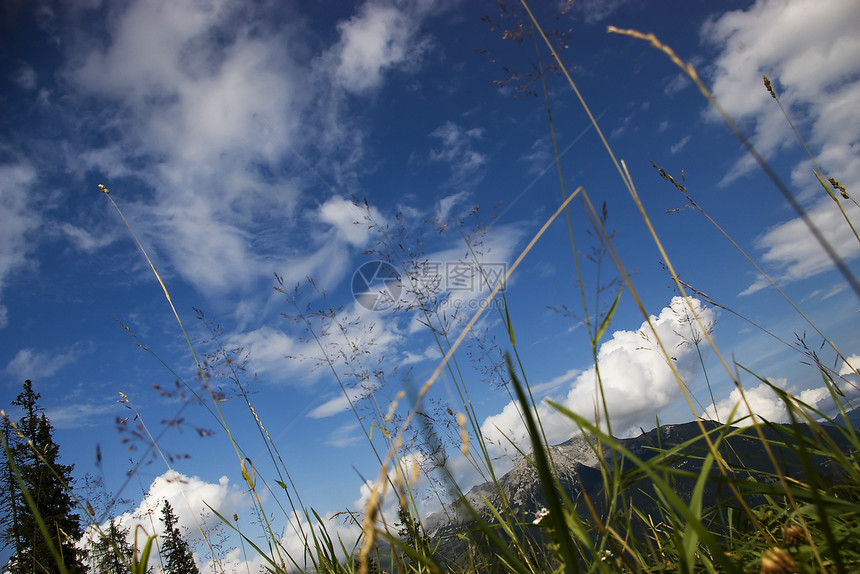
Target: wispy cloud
(346, 436)
(676, 84)
(457, 149)
(594, 11)
(18, 222)
(33, 364)
(792, 251)
(85, 240)
(26, 77)
(78, 415)
(678, 146)
(221, 104)
(341, 402)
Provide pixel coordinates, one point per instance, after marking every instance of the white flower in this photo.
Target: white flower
(540, 515)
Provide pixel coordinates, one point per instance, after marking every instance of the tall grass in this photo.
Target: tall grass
(655, 511)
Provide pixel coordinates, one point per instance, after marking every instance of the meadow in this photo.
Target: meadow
(654, 510)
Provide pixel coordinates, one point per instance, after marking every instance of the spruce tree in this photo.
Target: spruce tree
(178, 558)
(37, 457)
(111, 552)
(10, 497)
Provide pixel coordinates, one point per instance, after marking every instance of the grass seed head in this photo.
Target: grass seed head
(777, 561)
(793, 534)
(464, 435)
(769, 87)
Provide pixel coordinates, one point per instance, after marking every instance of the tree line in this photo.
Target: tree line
(39, 522)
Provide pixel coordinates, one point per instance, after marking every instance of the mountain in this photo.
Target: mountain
(578, 468)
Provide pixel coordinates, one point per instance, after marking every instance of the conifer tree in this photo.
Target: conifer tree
(111, 553)
(48, 482)
(10, 497)
(178, 558)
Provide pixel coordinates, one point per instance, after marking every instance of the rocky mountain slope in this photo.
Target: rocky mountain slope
(578, 470)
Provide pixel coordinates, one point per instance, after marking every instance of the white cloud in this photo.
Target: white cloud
(554, 383)
(677, 84)
(430, 353)
(593, 11)
(209, 119)
(347, 435)
(267, 349)
(793, 252)
(202, 104)
(538, 156)
(766, 404)
(85, 240)
(381, 37)
(457, 150)
(348, 220)
(636, 378)
(447, 203)
(675, 148)
(77, 415)
(811, 52)
(32, 364)
(26, 77)
(341, 402)
(17, 219)
(189, 497)
(850, 365)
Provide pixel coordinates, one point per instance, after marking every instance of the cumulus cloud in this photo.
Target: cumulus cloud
(850, 365)
(636, 378)
(189, 497)
(764, 402)
(810, 51)
(298, 542)
(382, 36)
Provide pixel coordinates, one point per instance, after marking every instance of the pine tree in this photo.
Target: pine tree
(36, 455)
(111, 552)
(174, 550)
(10, 497)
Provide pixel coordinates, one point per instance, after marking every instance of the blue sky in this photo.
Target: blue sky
(234, 137)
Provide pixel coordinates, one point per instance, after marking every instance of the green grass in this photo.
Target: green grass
(764, 520)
